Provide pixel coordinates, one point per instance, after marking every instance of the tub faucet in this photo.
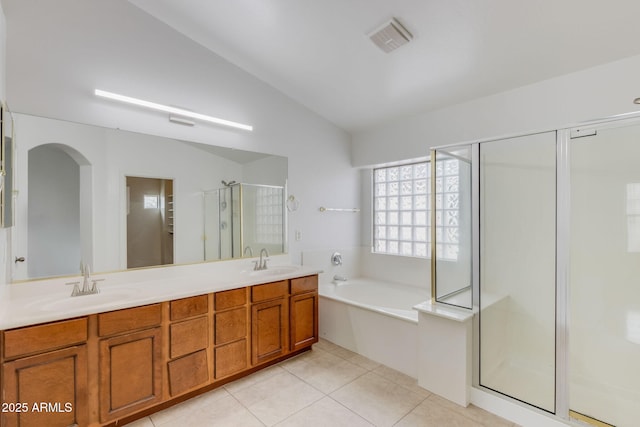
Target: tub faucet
(248, 249)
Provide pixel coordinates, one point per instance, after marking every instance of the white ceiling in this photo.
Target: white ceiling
(317, 51)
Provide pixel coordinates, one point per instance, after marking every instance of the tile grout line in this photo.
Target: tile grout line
(350, 410)
(324, 394)
(245, 407)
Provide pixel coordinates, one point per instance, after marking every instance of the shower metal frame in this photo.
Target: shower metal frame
(564, 135)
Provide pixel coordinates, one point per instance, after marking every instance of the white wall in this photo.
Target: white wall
(597, 92)
(5, 241)
(58, 52)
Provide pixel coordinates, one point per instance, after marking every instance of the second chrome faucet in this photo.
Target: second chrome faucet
(262, 263)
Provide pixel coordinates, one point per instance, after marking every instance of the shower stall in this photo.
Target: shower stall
(240, 219)
(553, 230)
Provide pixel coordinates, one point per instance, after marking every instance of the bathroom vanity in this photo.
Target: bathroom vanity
(111, 367)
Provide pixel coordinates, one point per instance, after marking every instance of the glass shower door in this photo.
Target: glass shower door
(604, 285)
(517, 268)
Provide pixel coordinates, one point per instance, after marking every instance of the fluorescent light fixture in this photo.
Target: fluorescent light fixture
(181, 121)
(171, 110)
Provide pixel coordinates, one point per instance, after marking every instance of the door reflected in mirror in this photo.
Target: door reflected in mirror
(150, 216)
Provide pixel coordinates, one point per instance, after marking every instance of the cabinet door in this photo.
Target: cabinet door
(49, 389)
(230, 358)
(269, 331)
(130, 373)
(304, 320)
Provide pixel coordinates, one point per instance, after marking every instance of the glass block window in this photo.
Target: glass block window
(448, 208)
(150, 201)
(402, 209)
(269, 215)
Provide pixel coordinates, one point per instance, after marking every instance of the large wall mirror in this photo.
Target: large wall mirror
(6, 167)
(77, 186)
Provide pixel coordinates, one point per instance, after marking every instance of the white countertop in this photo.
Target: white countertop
(445, 311)
(30, 303)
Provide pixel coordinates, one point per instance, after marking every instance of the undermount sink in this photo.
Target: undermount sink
(105, 297)
(275, 271)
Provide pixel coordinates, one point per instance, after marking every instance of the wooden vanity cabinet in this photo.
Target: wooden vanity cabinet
(188, 367)
(44, 375)
(130, 361)
(303, 309)
(231, 336)
(269, 321)
(106, 368)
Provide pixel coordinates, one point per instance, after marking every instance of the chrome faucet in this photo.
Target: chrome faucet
(89, 285)
(262, 264)
(86, 275)
(248, 249)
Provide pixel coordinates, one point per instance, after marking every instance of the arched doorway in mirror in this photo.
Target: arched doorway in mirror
(59, 220)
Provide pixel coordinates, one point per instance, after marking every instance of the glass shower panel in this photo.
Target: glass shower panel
(452, 198)
(517, 267)
(604, 287)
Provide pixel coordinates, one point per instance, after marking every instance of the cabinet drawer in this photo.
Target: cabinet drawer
(130, 319)
(269, 291)
(189, 336)
(37, 339)
(230, 299)
(189, 307)
(231, 325)
(304, 284)
(188, 372)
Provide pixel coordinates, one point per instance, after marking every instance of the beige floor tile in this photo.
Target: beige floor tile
(284, 402)
(344, 353)
(277, 397)
(189, 410)
(401, 379)
(228, 412)
(262, 390)
(325, 345)
(223, 412)
(378, 400)
(349, 355)
(431, 414)
(325, 412)
(326, 372)
(474, 413)
(143, 422)
(307, 357)
(252, 379)
(363, 362)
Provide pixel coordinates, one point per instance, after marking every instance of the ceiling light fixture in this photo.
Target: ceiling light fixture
(636, 101)
(171, 110)
(181, 121)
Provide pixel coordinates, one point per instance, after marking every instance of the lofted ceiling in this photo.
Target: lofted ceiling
(318, 53)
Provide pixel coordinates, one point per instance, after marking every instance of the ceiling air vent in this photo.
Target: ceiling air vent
(390, 36)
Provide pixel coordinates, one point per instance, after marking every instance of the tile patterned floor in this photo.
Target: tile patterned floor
(328, 386)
